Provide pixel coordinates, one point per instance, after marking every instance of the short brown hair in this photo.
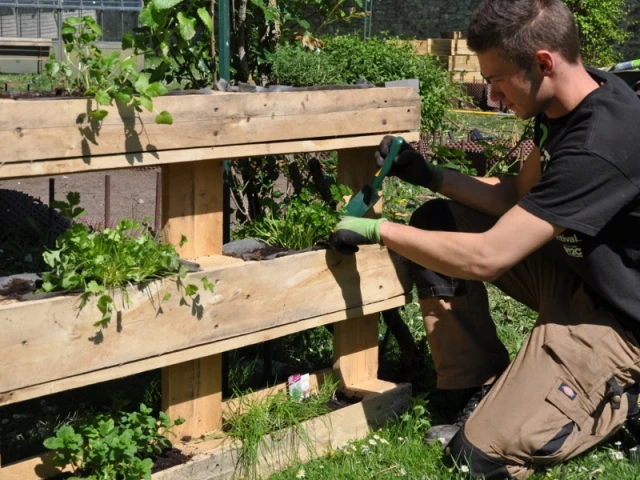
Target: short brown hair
(517, 29)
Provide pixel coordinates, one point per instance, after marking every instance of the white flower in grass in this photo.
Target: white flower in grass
(365, 450)
(376, 437)
(402, 472)
(384, 441)
(354, 448)
(372, 442)
(400, 439)
(618, 455)
(464, 469)
(617, 444)
(301, 473)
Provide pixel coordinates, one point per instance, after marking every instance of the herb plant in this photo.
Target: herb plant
(297, 222)
(86, 70)
(113, 447)
(98, 262)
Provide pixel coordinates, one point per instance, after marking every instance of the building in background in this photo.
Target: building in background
(31, 28)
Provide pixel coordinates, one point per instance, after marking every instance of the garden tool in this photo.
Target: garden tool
(367, 197)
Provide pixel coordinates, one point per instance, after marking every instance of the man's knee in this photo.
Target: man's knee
(435, 215)
(480, 464)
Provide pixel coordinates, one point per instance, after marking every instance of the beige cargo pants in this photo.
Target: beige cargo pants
(565, 390)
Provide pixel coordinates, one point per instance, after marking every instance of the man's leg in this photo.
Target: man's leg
(563, 394)
(461, 334)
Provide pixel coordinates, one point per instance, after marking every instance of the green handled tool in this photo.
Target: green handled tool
(367, 197)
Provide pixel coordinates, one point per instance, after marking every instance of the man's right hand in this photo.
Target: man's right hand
(410, 166)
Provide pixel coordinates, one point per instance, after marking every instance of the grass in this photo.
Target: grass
(21, 82)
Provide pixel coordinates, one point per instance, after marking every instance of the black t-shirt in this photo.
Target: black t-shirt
(591, 186)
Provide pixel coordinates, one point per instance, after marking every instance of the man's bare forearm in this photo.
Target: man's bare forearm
(493, 196)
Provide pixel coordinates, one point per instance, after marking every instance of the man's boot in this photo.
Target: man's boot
(444, 433)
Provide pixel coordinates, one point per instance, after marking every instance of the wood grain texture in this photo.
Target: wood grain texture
(49, 340)
(167, 157)
(28, 132)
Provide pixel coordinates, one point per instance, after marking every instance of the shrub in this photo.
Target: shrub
(346, 59)
(601, 26)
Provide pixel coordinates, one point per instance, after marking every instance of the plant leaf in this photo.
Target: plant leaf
(98, 114)
(146, 102)
(187, 26)
(165, 4)
(142, 83)
(204, 15)
(102, 97)
(156, 89)
(164, 118)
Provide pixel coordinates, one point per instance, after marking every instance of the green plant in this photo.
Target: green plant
(113, 447)
(347, 58)
(179, 33)
(98, 262)
(105, 77)
(601, 28)
(254, 418)
(297, 222)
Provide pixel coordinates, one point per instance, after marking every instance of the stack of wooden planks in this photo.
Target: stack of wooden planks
(454, 54)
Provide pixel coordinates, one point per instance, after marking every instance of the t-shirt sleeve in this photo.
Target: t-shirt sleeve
(580, 191)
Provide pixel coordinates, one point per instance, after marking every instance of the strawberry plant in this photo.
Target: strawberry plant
(113, 447)
(98, 262)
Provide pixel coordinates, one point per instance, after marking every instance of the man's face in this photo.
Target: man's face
(518, 89)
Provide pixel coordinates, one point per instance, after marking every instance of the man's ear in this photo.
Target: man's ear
(545, 62)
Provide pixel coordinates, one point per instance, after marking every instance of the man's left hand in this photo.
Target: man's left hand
(353, 231)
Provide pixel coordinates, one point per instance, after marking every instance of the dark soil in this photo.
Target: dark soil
(170, 458)
(17, 287)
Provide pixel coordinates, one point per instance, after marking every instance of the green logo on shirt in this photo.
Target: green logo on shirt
(545, 134)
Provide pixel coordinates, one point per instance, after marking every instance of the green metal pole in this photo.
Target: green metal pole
(224, 49)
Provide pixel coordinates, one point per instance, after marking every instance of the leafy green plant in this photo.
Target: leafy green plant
(88, 71)
(345, 59)
(99, 262)
(601, 26)
(113, 447)
(256, 417)
(179, 33)
(297, 222)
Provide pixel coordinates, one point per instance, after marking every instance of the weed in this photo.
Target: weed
(254, 418)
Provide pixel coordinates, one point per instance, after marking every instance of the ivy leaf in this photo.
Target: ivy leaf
(165, 4)
(204, 15)
(142, 83)
(146, 102)
(125, 95)
(156, 89)
(304, 24)
(127, 41)
(98, 114)
(146, 18)
(73, 21)
(164, 118)
(190, 290)
(187, 26)
(102, 97)
(94, 288)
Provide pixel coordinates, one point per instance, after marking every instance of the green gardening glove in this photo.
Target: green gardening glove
(353, 231)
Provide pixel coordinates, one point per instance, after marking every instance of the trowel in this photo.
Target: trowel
(367, 197)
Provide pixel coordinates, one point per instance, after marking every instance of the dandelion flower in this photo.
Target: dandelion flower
(548, 475)
(376, 437)
(301, 473)
(372, 442)
(384, 442)
(464, 469)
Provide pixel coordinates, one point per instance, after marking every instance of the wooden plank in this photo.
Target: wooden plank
(47, 340)
(192, 206)
(460, 63)
(28, 132)
(469, 77)
(148, 159)
(219, 458)
(282, 449)
(355, 342)
(193, 390)
(201, 351)
(25, 42)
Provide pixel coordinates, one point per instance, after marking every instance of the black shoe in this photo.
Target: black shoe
(444, 433)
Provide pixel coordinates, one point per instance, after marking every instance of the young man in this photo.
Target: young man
(563, 237)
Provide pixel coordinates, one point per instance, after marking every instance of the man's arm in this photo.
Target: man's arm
(493, 196)
(473, 256)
